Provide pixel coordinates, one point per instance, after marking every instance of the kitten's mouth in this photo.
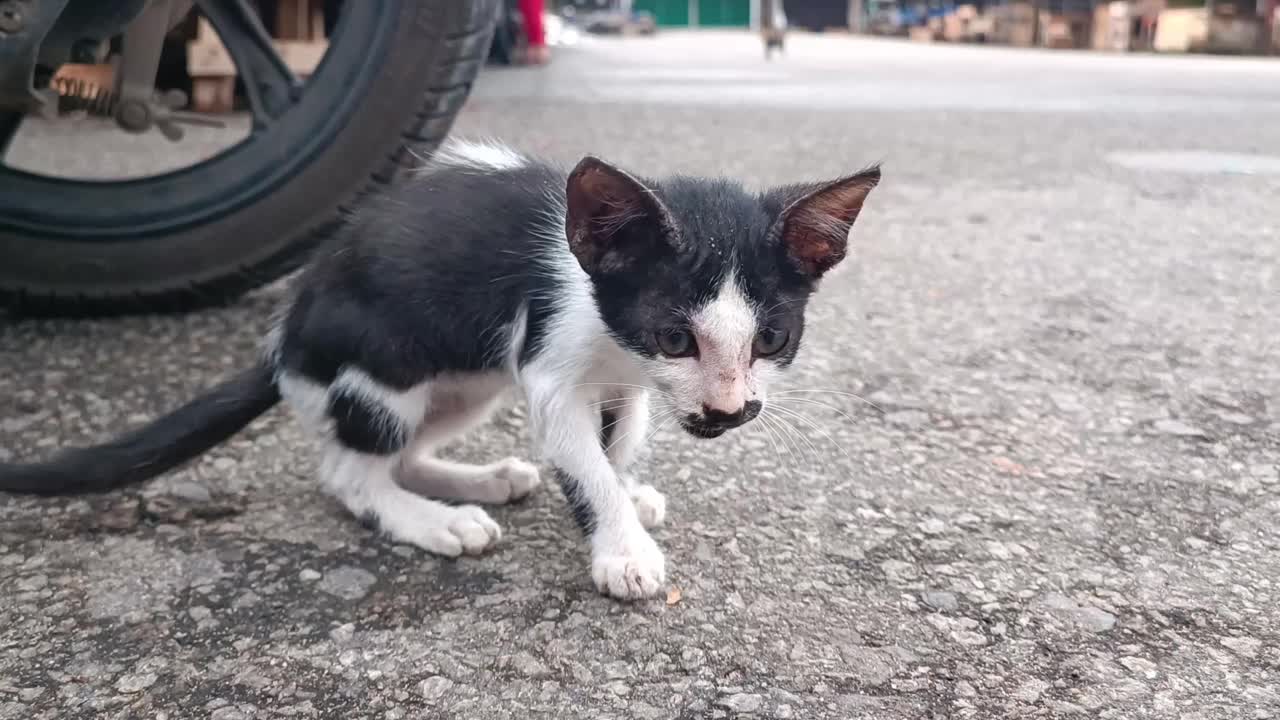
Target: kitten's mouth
(703, 430)
(713, 424)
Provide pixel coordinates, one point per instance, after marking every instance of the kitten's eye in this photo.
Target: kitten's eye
(770, 342)
(676, 343)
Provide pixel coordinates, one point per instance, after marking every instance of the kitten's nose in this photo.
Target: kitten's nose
(721, 419)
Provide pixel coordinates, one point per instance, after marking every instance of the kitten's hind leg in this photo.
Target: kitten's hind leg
(497, 483)
(368, 426)
(624, 429)
(453, 412)
(365, 484)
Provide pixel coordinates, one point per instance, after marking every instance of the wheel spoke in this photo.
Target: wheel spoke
(269, 85)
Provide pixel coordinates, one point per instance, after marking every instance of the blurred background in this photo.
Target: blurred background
(693, 40)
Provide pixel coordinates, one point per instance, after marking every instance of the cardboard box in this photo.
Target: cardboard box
(1111, 26)
(1182, 30)
(921, 34)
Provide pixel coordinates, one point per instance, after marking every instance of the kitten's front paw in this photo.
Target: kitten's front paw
(651, 506)
(629, 570)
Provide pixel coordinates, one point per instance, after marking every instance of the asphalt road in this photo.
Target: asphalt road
(1064, 502)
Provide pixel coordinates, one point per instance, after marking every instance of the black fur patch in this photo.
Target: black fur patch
(429, 278)
(608, 419)
(582, 512)
(365, 426)
(369, 521)
(722, 230)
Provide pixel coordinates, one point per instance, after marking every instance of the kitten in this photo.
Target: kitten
(489, 272)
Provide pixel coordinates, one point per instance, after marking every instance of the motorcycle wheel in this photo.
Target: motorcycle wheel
(386, 93)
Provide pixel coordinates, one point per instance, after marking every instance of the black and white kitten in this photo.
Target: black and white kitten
(491, 271)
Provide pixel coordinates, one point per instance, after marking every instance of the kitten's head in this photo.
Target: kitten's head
(705, 283)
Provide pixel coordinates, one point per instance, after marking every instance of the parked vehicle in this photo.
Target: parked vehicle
(394, 76)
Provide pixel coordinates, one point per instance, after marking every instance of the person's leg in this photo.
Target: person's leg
(535, 33)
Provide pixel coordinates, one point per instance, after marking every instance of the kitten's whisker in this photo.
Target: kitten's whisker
(816, 427)
(663, 417)
(424, 159)
(769, 433)
(830, 392)
(832, 408)
(624, 402)
(787, 440)
(620, 438)
(612, 402)
(617, 420)
(772, 434)
(796, 438)
(646, 388)
(783, 421)
(661, 425)
(781, 303)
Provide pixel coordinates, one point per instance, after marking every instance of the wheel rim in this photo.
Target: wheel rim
(288, 133)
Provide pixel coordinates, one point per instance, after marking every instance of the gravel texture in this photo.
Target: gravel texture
(1060, 499)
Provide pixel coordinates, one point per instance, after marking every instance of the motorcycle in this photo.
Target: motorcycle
(385, 94)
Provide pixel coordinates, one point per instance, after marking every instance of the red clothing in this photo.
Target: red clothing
(531, 11)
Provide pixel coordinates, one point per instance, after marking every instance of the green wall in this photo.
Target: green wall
(711, 13)
(724, 13)
(669, 13)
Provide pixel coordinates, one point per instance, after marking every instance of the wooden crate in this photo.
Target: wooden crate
(921, 34)
(299, 38)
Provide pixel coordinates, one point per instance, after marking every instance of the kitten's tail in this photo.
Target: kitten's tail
(148, 451)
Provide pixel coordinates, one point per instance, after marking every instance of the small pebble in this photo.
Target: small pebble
(742, 703)
(940, 600)
(435, 687)
(135, 683)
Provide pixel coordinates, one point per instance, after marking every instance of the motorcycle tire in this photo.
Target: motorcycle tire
(394, 78)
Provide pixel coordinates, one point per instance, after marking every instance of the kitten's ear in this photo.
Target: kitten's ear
(612, 219)
(817, 219)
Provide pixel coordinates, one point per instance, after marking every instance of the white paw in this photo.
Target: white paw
(631, 569)
(651, 506)
(514, 480)
(462, 529)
